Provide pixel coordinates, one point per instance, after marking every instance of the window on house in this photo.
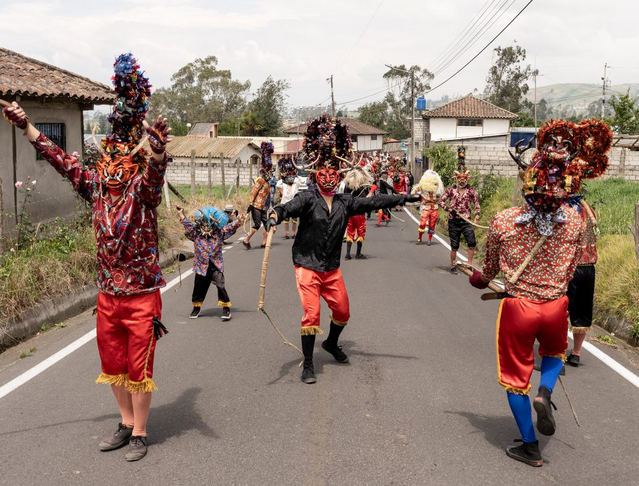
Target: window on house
(354, 138)
(56, 132)
(373, 137)
(469, 122)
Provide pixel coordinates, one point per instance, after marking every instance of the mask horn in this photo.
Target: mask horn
(138, 147)
(95, 140)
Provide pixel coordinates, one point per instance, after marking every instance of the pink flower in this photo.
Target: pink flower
(19, 184)
(75, 154)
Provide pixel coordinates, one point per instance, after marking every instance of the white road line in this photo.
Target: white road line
(596, 352)
(64, 352)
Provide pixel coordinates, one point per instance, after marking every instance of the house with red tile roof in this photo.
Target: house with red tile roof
(468, 120)
(54, 99)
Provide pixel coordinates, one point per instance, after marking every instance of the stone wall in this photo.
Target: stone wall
(486, 159)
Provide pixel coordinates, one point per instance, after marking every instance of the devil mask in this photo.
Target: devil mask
(327, 180)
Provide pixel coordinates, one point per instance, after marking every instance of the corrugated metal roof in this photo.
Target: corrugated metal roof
(23, 76)
(229, 146)
(469, 107)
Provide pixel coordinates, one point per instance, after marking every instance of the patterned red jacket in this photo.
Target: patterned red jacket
(126, 230)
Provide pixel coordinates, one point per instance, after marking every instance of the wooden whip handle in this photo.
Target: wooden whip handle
(267, 250)
(468, 270)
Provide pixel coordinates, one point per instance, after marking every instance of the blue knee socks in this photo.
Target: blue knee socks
(550, 369)
(520, 406)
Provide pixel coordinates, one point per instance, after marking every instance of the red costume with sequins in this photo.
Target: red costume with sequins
(128, 267)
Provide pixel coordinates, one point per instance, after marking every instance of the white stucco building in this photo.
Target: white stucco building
(470, 120)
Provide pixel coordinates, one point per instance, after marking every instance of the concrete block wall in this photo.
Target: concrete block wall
(486, 159)
(179, 173)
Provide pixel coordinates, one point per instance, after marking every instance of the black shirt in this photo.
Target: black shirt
(318, 241)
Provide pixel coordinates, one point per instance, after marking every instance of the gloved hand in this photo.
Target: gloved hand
(412, 198)
(249, 209)
(270, 223)
(15, 115)
(158, 134)
(477, 281)
(453, 213)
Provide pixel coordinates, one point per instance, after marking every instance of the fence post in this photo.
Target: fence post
(238, 163)
(193, 173)
(166, 194)
(223, 175)
(210, 190)
(635, 230)
(250, 171)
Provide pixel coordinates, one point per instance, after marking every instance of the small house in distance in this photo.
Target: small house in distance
(468, 120)
(54, 99)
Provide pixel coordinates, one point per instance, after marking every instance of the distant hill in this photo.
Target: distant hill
(578, 95)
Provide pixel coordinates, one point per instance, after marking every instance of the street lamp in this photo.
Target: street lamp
(411, 158)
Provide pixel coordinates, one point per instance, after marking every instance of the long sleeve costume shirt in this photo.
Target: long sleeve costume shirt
(547, 275)
(289, 190)
(208, 249)
(260, 193)
(318, 242)
(125, 230)
(460, 202)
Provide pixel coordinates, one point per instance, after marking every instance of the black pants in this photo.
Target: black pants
(203, 282)
(259, 217)
(581, 292)
(458, 227)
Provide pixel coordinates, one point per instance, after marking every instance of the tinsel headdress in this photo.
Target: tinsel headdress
(325, 140)
(567, 153)
(462, 171)
(210, 219)
(132, 92)
(267, 163)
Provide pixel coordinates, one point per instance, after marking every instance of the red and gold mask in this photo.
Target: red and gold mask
(116, 171)
(462, 179)
(327, 180)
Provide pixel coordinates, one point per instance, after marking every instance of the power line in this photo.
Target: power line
(485, 47)
(361, 35)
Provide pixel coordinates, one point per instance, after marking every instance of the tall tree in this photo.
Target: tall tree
(374, 114)
(626, 118)
(398, 98)
(201, 93)
(506, 83)
(265, 112)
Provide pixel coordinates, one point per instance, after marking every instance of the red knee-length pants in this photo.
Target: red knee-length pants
(429, 218)
(312, 285)
(519, 323)
(356, 229)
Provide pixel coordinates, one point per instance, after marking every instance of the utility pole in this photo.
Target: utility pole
(603, 99)
(330, 80)
(411, 163)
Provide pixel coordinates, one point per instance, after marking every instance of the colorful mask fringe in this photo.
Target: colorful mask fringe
(267, 163)
(209, 220)
(327, 138)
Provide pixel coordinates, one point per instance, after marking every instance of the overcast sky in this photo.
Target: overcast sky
(305, 41)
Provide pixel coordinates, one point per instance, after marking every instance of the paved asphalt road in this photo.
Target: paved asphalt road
(417, 405)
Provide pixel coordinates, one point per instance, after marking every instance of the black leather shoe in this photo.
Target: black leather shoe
(117, 440)
(348, 256)
(527, 452)
(308, 374)
(195, 312)
(246, 244)
(337, 352)
(572, 360)
(543, 405)
(361, 256)
(454, 270)
(137, 448)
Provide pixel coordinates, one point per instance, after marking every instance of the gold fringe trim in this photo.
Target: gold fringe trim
(197, 304)
(117, 380)
(223, 304)
(349, 239)
(561, 356)
(513, 389)
(422, 230)
(145, 386)
(339, 323)
(579, 330)
(360, 240)
(311, 330)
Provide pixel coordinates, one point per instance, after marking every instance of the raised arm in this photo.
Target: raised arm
(153, 178)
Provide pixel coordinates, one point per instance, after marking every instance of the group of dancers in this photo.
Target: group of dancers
(538, 247)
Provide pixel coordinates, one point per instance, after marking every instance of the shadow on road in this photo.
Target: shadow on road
(176, 418)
